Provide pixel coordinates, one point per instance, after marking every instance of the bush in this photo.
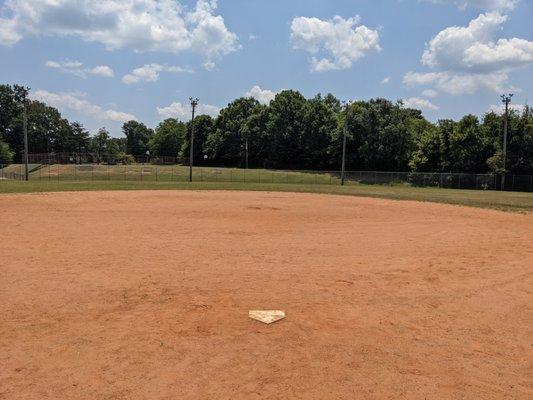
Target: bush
(124, 158)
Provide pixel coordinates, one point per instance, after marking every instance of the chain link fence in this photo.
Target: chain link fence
(176, 173)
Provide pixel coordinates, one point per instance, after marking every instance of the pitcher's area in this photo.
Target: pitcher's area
(145, 295)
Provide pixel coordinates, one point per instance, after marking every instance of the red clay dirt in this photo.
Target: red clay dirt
(145, 295)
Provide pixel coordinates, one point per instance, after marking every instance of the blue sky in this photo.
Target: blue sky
(104, 61)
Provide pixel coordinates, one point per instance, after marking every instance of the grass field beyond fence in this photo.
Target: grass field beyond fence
(177, 173)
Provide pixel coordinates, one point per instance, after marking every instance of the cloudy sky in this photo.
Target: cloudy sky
(103, 62)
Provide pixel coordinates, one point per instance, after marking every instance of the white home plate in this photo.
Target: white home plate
(266, 316)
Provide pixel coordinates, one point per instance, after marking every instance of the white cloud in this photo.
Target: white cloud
(386, 80)
(500, 109)
(481, 4)
(337, 43)
(141, 25)
(76, 68)
(472, 48)
(459, 83)
(209, 65)
(430, 93)
(76, 102)
(183, 112)
(150, 73)
(103, 70)
(418, 103)
(264, 96)
(468, 59)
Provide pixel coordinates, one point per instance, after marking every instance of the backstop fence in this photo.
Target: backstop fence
(47, 172)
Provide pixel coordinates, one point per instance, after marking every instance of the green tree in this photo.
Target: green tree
(100, 145)
(520, 142)
(225, 144)
(6, 155)
(203, 127)
(167, 138)
(137, 137)
(254, 132)
(469, 150)
(426, 156)
(319, 122)
(284, 127)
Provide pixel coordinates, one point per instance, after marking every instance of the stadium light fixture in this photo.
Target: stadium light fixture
(194, 103)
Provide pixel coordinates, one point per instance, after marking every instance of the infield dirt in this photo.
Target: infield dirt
(145, 295)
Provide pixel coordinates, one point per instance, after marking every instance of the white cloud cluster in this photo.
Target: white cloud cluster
(263, 96)
(459, 83)
(419, 103)
(183, 112)
(77, 68)
(500, 109)
(150, 73)
(386, 80)
(481, 4)
(467, 59)
(141, 25)
(334, 44)
(76, 102)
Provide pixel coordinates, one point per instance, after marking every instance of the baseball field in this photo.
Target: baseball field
(145, 294)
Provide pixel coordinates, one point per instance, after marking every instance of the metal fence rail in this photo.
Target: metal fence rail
(173, 173)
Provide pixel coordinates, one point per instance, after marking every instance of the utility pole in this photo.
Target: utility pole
(194, 103)
(345, 133)
(246, 147)
(505, 100)
(25, 129)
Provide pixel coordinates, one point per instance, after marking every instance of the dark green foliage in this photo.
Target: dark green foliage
(137, 137)
(168, 138)
(225, 144)
(6, 155)
(203, 126)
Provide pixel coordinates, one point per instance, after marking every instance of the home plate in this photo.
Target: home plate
(266, 316)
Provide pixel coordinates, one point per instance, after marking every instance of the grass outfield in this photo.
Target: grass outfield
(508, 201)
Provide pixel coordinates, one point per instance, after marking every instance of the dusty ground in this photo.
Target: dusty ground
(145, 295)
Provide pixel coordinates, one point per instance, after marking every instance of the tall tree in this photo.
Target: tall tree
(137, 137)
(225, 144)
(285, 125)
(167, 138)
(203, 127)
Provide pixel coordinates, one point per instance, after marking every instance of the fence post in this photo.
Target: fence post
(142, 172)
(156, 179)
(172, 174)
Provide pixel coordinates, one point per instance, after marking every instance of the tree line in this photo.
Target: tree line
(291, 132)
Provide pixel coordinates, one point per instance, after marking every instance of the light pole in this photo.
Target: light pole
(25, 131)
(194, 102)
(505, 100)
(246, 147)
(345, 133)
